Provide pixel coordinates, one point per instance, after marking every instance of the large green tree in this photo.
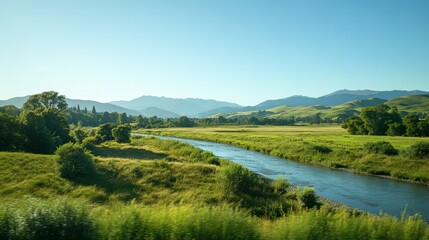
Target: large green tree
(43, 100)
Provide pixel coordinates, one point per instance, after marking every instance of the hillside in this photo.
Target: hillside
(335, 98)
(411, 104)
(100, 107)
(407, 104)
(190, 107)
(161, 113)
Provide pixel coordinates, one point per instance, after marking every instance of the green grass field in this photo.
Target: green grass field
(156, 189)
(300, 143)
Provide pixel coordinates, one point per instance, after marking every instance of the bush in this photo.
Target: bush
(233, 178)
(321, 149)
(381, 147)
(122, 133)
(419, 150)
(307, 197)
(74, 161)
(280, 185)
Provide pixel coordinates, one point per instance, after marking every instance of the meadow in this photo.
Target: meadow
(322, 145)
(159, 189)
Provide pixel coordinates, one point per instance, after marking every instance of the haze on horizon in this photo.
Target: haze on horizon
(238, 51)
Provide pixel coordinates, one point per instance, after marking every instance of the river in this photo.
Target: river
(368, 193)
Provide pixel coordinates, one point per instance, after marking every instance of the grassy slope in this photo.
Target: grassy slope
(411, 104)
(153, 189)
(406, 105)
(296, 143)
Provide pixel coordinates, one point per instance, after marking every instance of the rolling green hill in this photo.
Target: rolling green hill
(407, 104)
(411, 104)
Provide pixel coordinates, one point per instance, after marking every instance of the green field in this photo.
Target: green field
(301, 143)
(155, 189)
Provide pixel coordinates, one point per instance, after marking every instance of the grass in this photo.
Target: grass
(66, 219)
(157, 189)
(300, 143)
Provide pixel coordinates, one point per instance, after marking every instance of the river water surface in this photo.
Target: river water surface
(369, 193)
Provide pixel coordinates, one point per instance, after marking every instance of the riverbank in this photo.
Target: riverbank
(327, 146)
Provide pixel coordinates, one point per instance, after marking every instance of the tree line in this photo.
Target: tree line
(41, 126)
(383, 120)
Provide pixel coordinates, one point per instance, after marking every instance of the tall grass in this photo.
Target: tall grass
(62, 219)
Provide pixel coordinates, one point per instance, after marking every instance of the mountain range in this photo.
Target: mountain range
(174, 107)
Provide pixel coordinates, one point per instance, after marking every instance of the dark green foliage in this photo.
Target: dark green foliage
(381, 147)
(307, 197)
(10, 109)
(104, 132)
(396, 129)
(45, 130)
(123, 118)
(11, 133)
(74, 161)
(375, 119)
(184, 122)
(321, 149)
(419, 150)
(44, 100)
(411, 123)
(122, 133)
(355, 126)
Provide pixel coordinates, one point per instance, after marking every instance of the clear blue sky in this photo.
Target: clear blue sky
(239, 51)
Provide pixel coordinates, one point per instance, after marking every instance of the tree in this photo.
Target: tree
(10, 109)
(105, 118)
(122, 133)
(93, 110)
(104, 132)
(78, 108)
(44, 100)
(411, 123)
(355, 126)
(184, 121)
(123, 118)
(396, 129)
(376, 119)
(45, 130)
(74, 161)
(11, 133)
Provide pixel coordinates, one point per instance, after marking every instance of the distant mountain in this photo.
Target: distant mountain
(161, 113)
(290, 101)
(406, 105)
(190, 107)
(219, 111)
(99, 107)
(335, 98)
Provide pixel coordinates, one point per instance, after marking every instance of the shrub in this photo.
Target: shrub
(280, 185)
(381, 147)
(321, 149)
(233, 178)
(122, 133)
(419, 150)
(74, 161)
(307, 197)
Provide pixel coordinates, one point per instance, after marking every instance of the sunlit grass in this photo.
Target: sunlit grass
(298, 143)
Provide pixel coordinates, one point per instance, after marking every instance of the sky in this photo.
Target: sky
(239, 51)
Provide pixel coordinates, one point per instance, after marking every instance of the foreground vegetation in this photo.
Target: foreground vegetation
(329, 146)
(60, 219)
(157, 189)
